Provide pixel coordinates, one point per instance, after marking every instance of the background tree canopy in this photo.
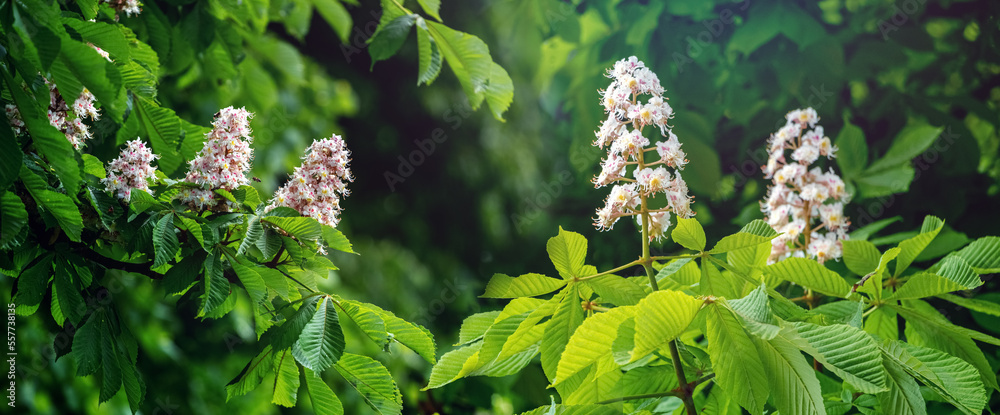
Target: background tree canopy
(445, 196)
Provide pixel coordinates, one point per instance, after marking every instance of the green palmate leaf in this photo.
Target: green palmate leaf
(861, 257)
(252, 375)
(163, 129)
(411, 335)
(527, 285)
(567, 251)
(689, 234)
(135, 387)
(903, 396)
(713, 282)
(431, 7)
(60, 206)
(565, 320)
(956, 269)
(429, 64)
(929, 330)
(982, 306)
(322, 341)
(286, 380)
(793, 383)
(740, 240)
(70, 301)
(251, 280)
(324, 401)
(681, 270)
(336, 15)
(883, 324)
(924, 284)
(475, 326)
(449, 367)
(528, 333)
(499, 91)
(760, 228)
(254, 232)
(33, 282)
(738, 368)
(179, 277)
(111, 375)
(87, 344)
(368, 320)
(288, 333)
(165, 242)
(983, 254)
(303, 228)
(370, 379)
(336, 240)
(754, 306)
(660, 318)
(852, 153)
(954, 379)
(494, 339)
(216, 286)
(810, 274)
(595, 388)
(848, 352)
(911, 248)
(389, 38)
(468, 57)
(616, 290)
(13, 216)
(591, 344)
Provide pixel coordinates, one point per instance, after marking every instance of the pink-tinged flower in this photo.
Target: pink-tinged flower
(802, 194)
(129, 7)
(14, 117)
(670, 152)
(104, 54)
(318, 184)
(131, 170)
(224, 160)
(622, 134)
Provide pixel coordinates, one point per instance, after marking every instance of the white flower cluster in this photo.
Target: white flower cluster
(805, 205)
(130, 7)
(131, 170)
(224, 160)
(621, 133)
(69, 120)
(318, 184)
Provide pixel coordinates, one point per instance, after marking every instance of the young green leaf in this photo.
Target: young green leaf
(882, 323)
(370, 379)
(324, 401)
(252, 375)
(591, 344)
(449, 367)
(660, 318)
(475, 326)
(389, 38)
(954, 379)
(567, 317)
(924, 284)
(616, 290)
(983, 254)
(793, 383)
(165, 242)
(429, 55)
(567, 251)
(911, 248)
(216, 285)
(527, 285)
(286, 380)
(852, 153)
(61, 206)
(87, 344)
(810, 274)
(369, 321)
(738, 368)
(848, 352)
(903, 396)
(861, 257)
(689, 234)
(322, 341)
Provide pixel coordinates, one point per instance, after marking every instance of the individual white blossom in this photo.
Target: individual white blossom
(634, 100)
(14, 117)
(224, 160)
(804, 204)
(131, 170)
(129, 7)
(317, 186)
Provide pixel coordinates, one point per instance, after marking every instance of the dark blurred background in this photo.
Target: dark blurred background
(432, 223)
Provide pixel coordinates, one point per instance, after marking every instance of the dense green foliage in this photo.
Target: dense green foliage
(446, 196)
